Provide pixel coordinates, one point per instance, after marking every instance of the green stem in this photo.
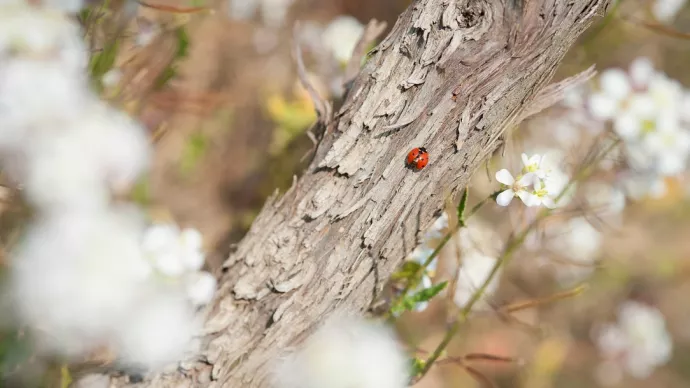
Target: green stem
(505, 256)
(420, 271)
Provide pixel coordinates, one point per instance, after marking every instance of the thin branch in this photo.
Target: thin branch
(372, 31)
(322, 107)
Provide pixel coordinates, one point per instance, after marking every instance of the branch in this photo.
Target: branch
(465, 70)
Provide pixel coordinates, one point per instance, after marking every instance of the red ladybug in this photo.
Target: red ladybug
(418, 158)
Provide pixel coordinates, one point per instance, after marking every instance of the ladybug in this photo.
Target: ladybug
(418, 158)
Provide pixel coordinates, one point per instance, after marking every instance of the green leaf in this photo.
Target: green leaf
(84, 14)
(15, 350)
(428, 293)
(181, 52)
(411, 301)
(65, 377)
(103, 61)
(182, 42)
(141, 192)
(462, 205)
(417, 366)
(165, 76)
(195, 149)
(408, 270)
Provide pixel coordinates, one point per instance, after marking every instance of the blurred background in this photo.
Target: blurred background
(230, 127)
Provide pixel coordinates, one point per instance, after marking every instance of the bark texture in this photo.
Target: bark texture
(451, 76)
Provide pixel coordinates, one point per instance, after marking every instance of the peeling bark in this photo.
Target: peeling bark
(451, 76)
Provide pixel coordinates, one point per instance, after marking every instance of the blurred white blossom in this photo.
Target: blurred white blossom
(577, 241)
(604, 200)
(341, 36)
(666, 10)
(273, 12)
(479, 250)
(345, 352)
(648, 111)
(637, 343)
(76, 276)
(85, 275)
(158, 333)
(172, 251)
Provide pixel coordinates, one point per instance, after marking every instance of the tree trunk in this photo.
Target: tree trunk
(451, 76)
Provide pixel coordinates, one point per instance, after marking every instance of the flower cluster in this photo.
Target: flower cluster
(177, 254)
(638, 343)
(345, 352)
(88, 273)
(649, 112)
(540, 182)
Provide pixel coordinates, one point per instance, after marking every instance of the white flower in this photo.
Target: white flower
(615, 88)
(42, 34)
(200, 287)
(59, 174)
(38, 95)
(345, 352)
(112, 78)
(670, 144)
(666, 10)
(341, 36)
(473, 272)
(76, 276)
(639, 186)
(275, 12)
(542, 195)
(242, 9)
(75, 167)
(578, 241)
(532, 164)
(421, 254)
(171, 251)
(604, 199)
(516, 188)
(557, 185)
(641, 72)
(158, 333)
(638, 342)
(479, 247)
(437, 229)
(147, 31)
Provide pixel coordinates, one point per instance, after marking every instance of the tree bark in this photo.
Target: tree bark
(451, 76)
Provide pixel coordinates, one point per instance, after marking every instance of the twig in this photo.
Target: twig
(508, 251)
(554, 93)
(656, 27)
(372, 31)
(323, 108)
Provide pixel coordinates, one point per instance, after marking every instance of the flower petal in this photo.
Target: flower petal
(527, 179)
(641, 72)
(615, 83)
(505, 197)
(504, 176)
(548, 202)
(602, 107)
(627, 126)
(528, 199)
